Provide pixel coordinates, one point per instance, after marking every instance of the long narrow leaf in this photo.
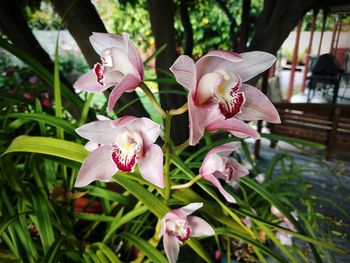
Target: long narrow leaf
(150, 251)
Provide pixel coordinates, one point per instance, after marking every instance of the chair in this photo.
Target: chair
(325, 77)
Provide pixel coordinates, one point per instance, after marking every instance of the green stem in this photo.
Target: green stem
(180, 110)
(167, 158)
(188, 184)
(155, 103)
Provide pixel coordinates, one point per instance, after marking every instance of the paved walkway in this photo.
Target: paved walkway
(331, 184)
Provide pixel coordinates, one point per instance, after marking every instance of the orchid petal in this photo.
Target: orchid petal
(199, 227)
(125, 157)
(116, 59)
(206, 86)
(98, 131)
(128, 83)
(133, 55)
(97, 166)
(171, 247)
(211, 178)
(239, 169)
(197, 120)
(151, 166)
(147, 128)
(225, 149)
(88, 82)
(189, 209)
(253, 63)
(211, 163)
(257, 106)
(91, 146)
(284, 238)
(237, 127)
(185, 72)
(103, 41)
(214, 59)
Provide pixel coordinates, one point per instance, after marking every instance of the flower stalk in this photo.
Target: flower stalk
(167, 158)
(188, 184)
(153, 100)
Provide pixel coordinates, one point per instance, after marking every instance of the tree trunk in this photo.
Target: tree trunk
(14, 25)
(186, 22)
(162, 23)
(244, 28)
(81, 20)
(233, 23)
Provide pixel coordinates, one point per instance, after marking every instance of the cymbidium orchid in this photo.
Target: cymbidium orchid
(218, 165)
(118, 145)
(177, 226)
(215, 83)
(283, 237)
(121, 67)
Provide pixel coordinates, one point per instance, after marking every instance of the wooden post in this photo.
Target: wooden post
(264, 87)
(335, 28)
(322, 31)
(294, 62)
(338, 35)
(306, 68)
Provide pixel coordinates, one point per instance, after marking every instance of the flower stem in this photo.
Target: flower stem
(167, 157)
(188, 184)
(180, 110)
(155, 103)
(181, 147)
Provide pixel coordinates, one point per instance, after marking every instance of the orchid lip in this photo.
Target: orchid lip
(179, 229)
(99, 69)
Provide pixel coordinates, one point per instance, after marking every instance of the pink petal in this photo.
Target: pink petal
(214, 60)
(237, 127)
(211, 163)
(123, 121)
(102, 41)
(197, 120)
(148, 129)
(185, 72)
(97, 166)
(171, 247)
(206, 86)
(225, 149)
(100, 132)
(91, 146)
(253, 63)
(88, 82)
(189, 209)
(257, 106)
(199, 227)
(125, 160)
(126, 84)
(211, 178)
(133, 55)
(151, 166)
(117, 60)
(239, 170)
(284, 238)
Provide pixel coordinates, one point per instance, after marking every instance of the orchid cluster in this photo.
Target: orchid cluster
(218, 99)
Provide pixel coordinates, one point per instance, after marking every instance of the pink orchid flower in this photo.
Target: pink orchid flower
(121, 67)
(177, 226)
(218, 165)
(215, 83)
(118, 145)
(283, 237)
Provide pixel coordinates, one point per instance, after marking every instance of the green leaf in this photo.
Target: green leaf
(197, 247)
(156, 206)
(151, 252)
(51, 120)
(50, 146)
(106, 251)
(57, 87)
(264, 249)
(93, 217)
(293, 140)
(107, 194)
(44, 221)
(53, 255)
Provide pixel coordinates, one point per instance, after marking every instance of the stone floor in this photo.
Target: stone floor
(332, 184)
